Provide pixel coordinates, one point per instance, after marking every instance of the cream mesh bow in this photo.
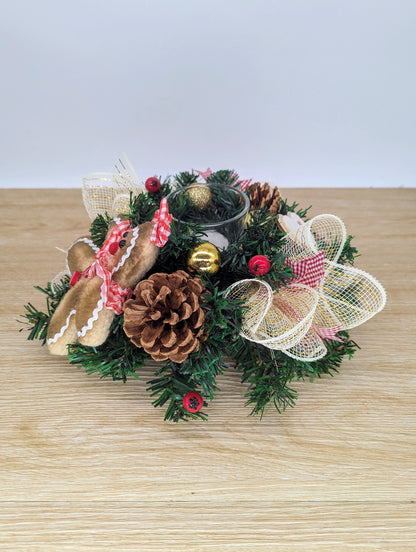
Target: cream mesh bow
(298, 318)
(110, 192)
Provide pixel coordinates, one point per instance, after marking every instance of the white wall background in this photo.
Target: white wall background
(299, 92)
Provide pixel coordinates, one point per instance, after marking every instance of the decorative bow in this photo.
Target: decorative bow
(110, 192)
(161, 224)
(325, 298)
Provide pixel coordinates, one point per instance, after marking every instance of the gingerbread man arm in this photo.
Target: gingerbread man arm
(81, 254)
(93, 319)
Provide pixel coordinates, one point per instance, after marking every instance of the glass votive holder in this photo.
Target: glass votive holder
(220, 208)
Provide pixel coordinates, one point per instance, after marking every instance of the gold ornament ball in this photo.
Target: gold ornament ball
(204, 258)
(200, 196)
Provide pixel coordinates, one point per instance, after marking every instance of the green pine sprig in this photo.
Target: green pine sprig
(144, 205)
(170, 386)
(261, 237)
(200, 370)
(349, 253)
(186, 178)
(99, 228)
(37, 320)
(117, 357)
(226, 177)
(294, 207)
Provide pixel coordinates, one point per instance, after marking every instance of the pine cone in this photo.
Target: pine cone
(263, 195)
(165, 316)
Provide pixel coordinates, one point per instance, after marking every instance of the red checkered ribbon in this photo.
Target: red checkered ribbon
(242, 184)
(112, 293)
(205, 174)
(310, 271)
(328, 333)
(116, 235)
(161, 224)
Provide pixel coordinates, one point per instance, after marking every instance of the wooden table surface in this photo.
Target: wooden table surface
(88, 464)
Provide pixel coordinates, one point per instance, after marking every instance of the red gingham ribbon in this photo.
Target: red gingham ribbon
(205, 174)
(161, 224)
(328, 333)
(116, 235)
(310, 271)
(242, 184)
(112, 293)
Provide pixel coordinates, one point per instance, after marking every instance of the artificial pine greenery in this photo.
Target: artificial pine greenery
(186, 178)
(261, 237)
(37, 320)
(144, 206)
(200, 370)
(267, 373)
(117, 358)
(99, 229)
(349, 253)
(225, 177)
(224, 203)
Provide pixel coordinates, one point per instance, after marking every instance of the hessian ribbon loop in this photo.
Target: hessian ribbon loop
(324, 298)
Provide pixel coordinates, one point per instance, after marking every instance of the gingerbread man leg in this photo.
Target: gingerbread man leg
(93, 319)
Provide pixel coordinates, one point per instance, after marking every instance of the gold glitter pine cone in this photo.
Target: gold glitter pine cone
(165, 317)
(264, 195)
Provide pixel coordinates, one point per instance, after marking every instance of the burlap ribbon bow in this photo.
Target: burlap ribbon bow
(324, 298)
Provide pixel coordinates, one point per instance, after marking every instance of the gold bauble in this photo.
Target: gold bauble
(200, 196)
(205, 258)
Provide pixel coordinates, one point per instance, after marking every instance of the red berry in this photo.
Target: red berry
(259, 265)
(152, 184)
(193, 402)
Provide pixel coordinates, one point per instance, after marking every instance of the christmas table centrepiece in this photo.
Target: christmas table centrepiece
(197, 270)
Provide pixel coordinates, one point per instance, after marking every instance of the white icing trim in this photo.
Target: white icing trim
(55, 338)
(93, 318)
(128, 252)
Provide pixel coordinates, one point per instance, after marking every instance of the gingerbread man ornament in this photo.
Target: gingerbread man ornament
(102, 279)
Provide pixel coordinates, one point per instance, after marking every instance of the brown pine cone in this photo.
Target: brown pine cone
(165, 316)
(263, 195)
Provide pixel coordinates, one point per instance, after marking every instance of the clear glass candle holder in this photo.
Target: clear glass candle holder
(223, 217)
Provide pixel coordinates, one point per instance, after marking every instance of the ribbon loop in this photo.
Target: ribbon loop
(110, 192)
(161, 224)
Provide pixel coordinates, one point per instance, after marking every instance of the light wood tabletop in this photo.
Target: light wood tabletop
(88, 464)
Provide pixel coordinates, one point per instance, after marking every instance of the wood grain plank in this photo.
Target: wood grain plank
(88, 464)
(231, 526)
